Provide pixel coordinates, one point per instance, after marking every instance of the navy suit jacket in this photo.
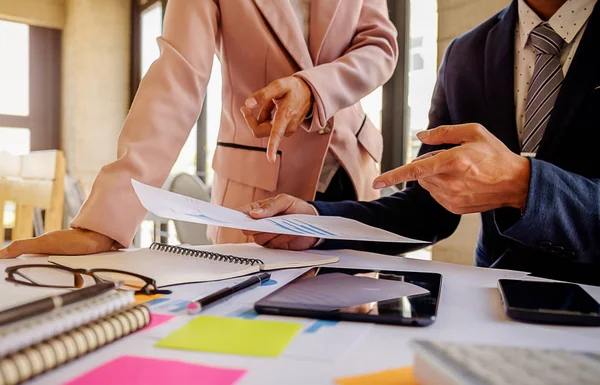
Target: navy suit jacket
(558, 235)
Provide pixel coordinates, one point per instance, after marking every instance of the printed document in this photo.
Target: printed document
(170, 205)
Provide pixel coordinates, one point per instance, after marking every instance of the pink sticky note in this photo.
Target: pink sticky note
(129, 370)
(157, 320)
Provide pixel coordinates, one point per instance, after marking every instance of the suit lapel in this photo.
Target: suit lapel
(499, 78)
(577, 85)
(280, 16)
(322, 13)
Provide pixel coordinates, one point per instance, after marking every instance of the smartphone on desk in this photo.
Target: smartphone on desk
(549, 302)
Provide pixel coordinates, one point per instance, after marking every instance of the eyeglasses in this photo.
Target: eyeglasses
(67, 278)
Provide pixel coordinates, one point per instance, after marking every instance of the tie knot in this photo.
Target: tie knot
(545, 40)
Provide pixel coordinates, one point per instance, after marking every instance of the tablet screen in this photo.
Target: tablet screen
(396, 297)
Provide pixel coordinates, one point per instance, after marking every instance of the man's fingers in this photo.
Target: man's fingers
(246, 209)
(427, 155)
(413, 171)
(283, 117)
(254, 205)
(262, 97)
(280, 242)
(272, 207)
(263, 238)
(456, 134)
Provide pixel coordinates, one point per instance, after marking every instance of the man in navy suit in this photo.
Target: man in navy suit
(514, 134)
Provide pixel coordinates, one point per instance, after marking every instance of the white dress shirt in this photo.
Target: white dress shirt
(331, 164)
(569, 22)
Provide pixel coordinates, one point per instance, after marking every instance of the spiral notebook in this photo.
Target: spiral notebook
(173, 265)
(39, 344)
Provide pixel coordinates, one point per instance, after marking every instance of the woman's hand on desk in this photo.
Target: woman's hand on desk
(62, 242)
(280, 205)
(277, 110)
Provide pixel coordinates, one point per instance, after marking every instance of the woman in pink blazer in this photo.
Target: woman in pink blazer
(294, 72)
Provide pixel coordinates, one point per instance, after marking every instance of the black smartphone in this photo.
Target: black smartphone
(549, 302)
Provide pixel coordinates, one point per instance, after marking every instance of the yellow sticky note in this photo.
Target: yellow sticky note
(232, 336)
(143, 298)
(402, 376)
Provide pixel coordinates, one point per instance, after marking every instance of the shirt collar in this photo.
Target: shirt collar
(567, 21)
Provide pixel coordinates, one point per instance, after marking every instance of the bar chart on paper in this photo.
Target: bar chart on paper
(178, 207)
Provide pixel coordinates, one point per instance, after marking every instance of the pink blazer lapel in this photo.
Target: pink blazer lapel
(280, 16)
(322, 13)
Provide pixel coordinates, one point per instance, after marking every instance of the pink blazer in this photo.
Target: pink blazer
(352, 51)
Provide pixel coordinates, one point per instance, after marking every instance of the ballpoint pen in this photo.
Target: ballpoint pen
(197, 306)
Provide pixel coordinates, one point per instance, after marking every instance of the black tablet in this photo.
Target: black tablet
(345, 294)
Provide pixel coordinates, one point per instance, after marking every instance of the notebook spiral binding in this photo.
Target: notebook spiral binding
(56, 351)
(205, 254)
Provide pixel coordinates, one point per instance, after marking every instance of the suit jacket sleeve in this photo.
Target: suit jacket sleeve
(411, 212)
(368, 63)
(163, 113)
(562, 214)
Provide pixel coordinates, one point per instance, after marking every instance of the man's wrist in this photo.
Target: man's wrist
(521, 183)
(314, 209)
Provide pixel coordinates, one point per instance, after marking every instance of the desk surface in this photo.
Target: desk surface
(470, 311)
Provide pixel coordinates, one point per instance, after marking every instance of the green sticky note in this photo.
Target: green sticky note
(232, 336)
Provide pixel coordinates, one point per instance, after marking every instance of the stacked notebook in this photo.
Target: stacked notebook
(44, 342)
(173, 265)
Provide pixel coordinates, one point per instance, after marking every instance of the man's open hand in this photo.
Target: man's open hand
(280, 205)
(480, 174)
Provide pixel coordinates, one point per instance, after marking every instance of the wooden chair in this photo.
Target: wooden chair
(35, 180)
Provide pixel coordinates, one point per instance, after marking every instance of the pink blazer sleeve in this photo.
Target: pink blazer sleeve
(163, 113)
(368, 63)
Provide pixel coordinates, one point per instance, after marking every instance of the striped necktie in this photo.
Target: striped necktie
(543, 86)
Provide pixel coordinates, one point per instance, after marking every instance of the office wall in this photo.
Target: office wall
(41, 13)
(96, 57)
(456, 17)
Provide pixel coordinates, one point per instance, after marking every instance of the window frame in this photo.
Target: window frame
(395, 126)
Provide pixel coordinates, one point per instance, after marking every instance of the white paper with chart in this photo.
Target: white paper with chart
(169, 205)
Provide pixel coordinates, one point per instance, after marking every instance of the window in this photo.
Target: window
(16, 141)
(213, 118)
(151, 29)
(14, 92)
(407, 95)
(29, 93)
(372, 104)
(422, 73)
(29, 88)
(14, 69)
